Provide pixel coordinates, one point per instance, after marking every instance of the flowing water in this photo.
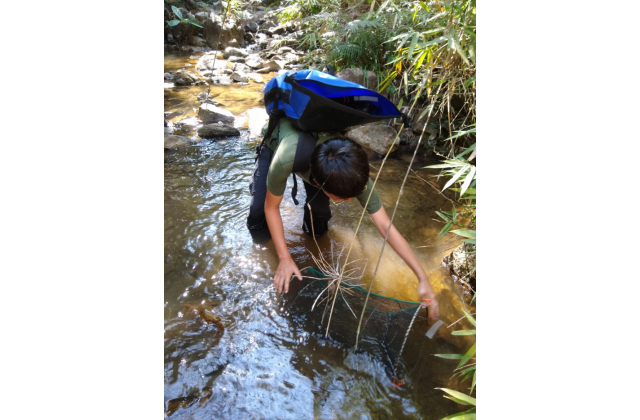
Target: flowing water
(234, 349)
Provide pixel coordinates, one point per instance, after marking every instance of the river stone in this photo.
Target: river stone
(185, 78)
(197, 41)
(220, 79)
(283, 50)
(227, 71)
(229, 51)
(172, 141)
(254, 61)
(291, 58)
(216, 130)
(356, 75)
(236, 59)
(374, 136)
(207, 62)
(210, 113)
(168, 76)
(218, 35)
(272, 65)
(201, 16)
(239, 76)
(251, 27)
(276, 30)
(255, 77)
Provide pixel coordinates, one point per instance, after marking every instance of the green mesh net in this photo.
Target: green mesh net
(385, 324)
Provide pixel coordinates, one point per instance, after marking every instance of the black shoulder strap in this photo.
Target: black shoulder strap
(306, 144)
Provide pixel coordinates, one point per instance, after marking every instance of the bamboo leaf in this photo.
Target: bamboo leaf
(464, 332)
(459, 395)
(469, 241)
(443, 216)
(455, 177)
(468, 149)
(412, 46)
(468, 355)
(455, 215)
(424, 112)
(449, 356)
(461, 416)
(459, 401)
(177, 12)
(468, 180)
(460, 134)
(406, 84)
(473, 382)
(465, 370)
(444, 230)
(468, 82)
(469, 317)
(466, 233)
(419, 60)
(454, 36)
(467, 376)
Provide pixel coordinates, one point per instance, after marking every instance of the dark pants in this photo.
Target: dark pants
(319, 201)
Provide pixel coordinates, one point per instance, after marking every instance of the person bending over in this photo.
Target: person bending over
(339, 171)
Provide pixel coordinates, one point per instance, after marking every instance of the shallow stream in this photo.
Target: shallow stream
(233, 348)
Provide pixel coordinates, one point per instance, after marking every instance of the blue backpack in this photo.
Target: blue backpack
(315, 101)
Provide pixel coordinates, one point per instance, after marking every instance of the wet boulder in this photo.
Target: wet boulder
(277, 30)
(210, 62)
(356, 75)
(185, 78)
(251, 27)
(172, 141)
(239, 76)
(232, 51)
(236, 59)
(217, 130)
(209, 113)
(269, 66)
(375, 136)
(254, 61)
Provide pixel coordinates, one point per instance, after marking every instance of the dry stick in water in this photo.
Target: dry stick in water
(375, 271)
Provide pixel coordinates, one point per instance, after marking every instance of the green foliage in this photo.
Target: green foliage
(180, 19)
(463, 369)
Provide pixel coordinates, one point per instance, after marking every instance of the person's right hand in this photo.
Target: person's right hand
(283, 274)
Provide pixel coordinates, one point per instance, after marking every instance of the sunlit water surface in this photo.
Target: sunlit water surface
(234, 349)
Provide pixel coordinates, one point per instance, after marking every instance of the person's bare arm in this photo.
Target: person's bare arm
(286, 267)
(402, 248)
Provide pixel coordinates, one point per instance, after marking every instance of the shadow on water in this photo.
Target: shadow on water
(235, 349)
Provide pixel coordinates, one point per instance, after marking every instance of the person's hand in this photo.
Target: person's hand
(283, 274)
(426, 292)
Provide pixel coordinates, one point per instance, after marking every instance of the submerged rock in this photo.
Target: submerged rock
(374, 136)
(239, 76)
(217, 130)
(172, 141)
(210, 113)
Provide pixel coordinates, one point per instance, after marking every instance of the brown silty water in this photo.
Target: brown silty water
(233, 347)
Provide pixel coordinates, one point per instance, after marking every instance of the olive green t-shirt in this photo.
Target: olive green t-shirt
(283, 142)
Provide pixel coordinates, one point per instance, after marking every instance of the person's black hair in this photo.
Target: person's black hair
(341, 167)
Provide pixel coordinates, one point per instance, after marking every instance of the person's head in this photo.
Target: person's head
(340, 166)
